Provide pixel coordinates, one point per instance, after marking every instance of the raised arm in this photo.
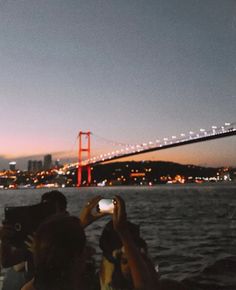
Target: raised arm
(141, 276)
(88, 214)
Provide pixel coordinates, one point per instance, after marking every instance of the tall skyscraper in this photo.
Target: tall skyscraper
(47, 164)
(30, 165)
(12, 165)
(35, 165)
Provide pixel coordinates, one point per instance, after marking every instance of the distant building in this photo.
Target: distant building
(57, 163)
(39, 165)
(30, 165)
(47, 164)
(35, 165)
(12, 165)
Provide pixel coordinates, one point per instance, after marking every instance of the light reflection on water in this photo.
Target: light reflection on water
(187, 227)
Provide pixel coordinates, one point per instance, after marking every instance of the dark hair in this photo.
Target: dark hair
(55, 196)
(59, 243)
(110, 240)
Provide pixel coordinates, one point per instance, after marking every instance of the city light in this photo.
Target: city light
(68, 170)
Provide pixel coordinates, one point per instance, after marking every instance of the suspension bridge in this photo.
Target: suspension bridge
(85, 160)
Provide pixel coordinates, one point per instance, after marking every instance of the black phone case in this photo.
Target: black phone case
(26, 219)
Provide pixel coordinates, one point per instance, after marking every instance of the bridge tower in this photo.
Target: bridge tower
(82, 149)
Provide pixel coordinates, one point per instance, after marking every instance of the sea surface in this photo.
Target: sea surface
(190, 229)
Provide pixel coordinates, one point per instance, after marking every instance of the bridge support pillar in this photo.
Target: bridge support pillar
(80, 151)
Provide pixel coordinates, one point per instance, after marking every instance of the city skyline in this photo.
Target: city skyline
(132, 150)
(129, 71)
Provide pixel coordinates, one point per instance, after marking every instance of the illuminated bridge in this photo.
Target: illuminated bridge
(215, 132)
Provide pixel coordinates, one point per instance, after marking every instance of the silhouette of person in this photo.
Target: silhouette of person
(59, 255)
(19, 259)
(125, 264)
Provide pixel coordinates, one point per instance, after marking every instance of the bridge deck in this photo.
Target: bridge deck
(180, 142)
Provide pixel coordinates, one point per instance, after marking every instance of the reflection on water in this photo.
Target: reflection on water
(190, 230)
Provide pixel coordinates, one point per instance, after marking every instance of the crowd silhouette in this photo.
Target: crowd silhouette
(56, 255)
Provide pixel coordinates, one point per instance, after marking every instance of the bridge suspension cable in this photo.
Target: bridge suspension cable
(112, 142)
(200, 135)
(228, 129)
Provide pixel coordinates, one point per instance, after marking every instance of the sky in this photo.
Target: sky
(127, 70)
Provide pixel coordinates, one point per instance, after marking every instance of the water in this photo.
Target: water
(189, 229)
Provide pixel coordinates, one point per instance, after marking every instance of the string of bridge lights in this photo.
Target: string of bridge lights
(174, 139)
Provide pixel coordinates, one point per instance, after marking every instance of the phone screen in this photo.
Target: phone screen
(105, 205)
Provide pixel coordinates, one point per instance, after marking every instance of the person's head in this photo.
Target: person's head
(57, 198)
(113, 250)
(59, 255)
(110, 240)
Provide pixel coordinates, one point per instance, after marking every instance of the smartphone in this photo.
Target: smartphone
(105, 205)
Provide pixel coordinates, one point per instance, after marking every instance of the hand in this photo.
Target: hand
(30, 243)
(119, 215)
(88, 213)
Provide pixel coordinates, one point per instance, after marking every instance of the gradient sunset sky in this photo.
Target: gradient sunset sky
(130, 71)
